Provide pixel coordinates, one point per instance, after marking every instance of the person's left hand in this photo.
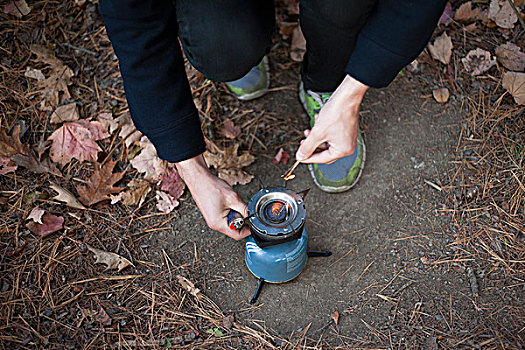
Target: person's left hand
(335, 126)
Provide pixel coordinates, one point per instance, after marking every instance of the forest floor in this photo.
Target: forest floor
(428, 249)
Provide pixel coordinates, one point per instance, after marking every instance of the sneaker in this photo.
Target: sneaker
(344, 173)
(254, 84)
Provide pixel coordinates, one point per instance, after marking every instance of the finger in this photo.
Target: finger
(324, 157)
(308, 146)
(240, 207)
(306, 132)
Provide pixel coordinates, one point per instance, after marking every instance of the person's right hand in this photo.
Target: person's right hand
(214, 197)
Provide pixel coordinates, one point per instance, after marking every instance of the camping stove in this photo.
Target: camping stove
(276, 251)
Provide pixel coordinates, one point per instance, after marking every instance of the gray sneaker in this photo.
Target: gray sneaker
(254, 84)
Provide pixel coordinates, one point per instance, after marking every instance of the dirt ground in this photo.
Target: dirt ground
(390, 272)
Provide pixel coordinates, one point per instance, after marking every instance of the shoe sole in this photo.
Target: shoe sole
(324, 188)
(259, 93)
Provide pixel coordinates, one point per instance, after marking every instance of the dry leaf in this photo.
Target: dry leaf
(465, 13)
(128, 132)
(32, 164)
(111, 260)
(36, 215)
(100, 185)
(103, 317)
(281, 157)
(335, 316)
(447, 15)
(511, 57)
(502, 13)
(441, 95)
(165, 202)
(76, 140)
(65, 113)
(230, 130)
(66, 197)
(227, 321)
(287, 28)
(50, 224)
(188, 286)
(478, 61)
(136, 194)
(298, 45)
(228, 164)
(17, 8)
(34, 74)
(235, 176)
(172, 183)
(515, 84)
(11, 145)
(5, 168)
(441, 50)
(148, 162)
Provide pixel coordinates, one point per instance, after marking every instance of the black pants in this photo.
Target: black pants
(225, 39)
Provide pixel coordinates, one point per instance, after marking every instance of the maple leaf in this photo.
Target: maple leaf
(441, 50)
(31, 163)
(111, 260)
(11, 145)
(502, 13)
(478, 61)
(127, 132)
(65, 113)
(515, 83)
(228, 164)
(165, 202)
(511, 57)
(17, 8)
(50, 224)
(76, 140)
(148, 162)
(100, 185)
(136, 194)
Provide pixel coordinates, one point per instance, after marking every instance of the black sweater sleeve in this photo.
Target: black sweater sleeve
(394, 35)
(144, 37)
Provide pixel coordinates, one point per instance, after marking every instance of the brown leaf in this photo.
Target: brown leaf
(32, 164)
(34, 74)
(465, 13)
(478, 61)
(136, 194)
(50, 224)
(511, 57)
(100, 185)
(335, 316)
(111, 260)
(76, 140)
(5, 167)
(235, 176)
(502, 13)
(441, 95)
(281, 157)
(103, 317)
(172, 183)
(148, 162)
(66, 197)
(36, 215)
(230, 130)
(17, 8)
(227, 321)
(287, 28)
(11, 145)
(515, 84)
(127, 132)
(165, 202)
(188, 286)
(229, 165)
(441, 50)
(65, 113)
(298, 45)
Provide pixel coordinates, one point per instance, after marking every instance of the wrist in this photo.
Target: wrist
(192, 169)
(351, 90)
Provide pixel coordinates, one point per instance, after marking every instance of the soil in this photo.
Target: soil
(390, 277)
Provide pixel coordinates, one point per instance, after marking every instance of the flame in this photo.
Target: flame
(289, 177)
(277, 208)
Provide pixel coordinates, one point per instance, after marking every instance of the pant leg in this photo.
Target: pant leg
(225, 39)
(330, 28)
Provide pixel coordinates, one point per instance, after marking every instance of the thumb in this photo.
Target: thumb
(308, 146)
(239, 206)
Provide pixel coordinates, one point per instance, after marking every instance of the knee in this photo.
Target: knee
(228, 59)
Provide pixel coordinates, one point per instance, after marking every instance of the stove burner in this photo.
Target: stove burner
(276, 211)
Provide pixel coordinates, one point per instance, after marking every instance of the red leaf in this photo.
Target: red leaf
(172, 183)
(281, 157)
(50, 224)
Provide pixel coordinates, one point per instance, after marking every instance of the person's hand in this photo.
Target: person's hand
(334, 134)
(213, 196)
